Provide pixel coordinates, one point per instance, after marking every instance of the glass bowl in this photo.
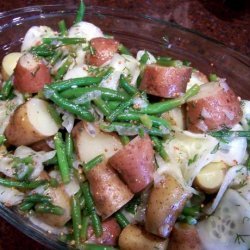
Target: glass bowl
(135, 32)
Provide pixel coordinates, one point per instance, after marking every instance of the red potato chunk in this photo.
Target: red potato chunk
(167, 82)
(109, 192)
(184, 237)
(110, 235)
(30, 74)
(104, 49)
(135, 163)
(165, 203)
(215, 107)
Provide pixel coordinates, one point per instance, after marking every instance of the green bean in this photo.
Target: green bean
(144, 58)
(134, 116)
(146, 121)
(130, 129)
(52, 161)
(63, 69)
(161, 107)
(62, 158)
(63, 40)
(96, 223)
(130, 89)
(131, 207)
(34, 198)
(106, 94)
(84, 228)
(97, 247)
(2, 139)
(26, 206)
(82, 202)
(123, 50)
(121, 108)
(69, 149)
(54, 59)
(62, 28)
(76, 219)
(7, 88)
(112, 105)
(121, 219)
(92, 163)
(76, 82)
(102, 106)
(213, 78)
(191, 211)
(167, 61)
(124, 139)
(80, 12)
(48, 209)
(230, 134)
(70, 107)
(54, 114)
(22, 184)
(159, 148)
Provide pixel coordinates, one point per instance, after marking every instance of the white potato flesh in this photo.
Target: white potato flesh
(40, 118)
(9, 63)
(197, 78)
(35, 35)
(211, 177)
(85, 30)
(89, 147)
(245, 121)
(175, 117)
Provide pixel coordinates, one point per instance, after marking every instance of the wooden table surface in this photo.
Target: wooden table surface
(225, 20)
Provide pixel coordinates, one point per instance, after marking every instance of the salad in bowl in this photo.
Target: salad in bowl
(111, 149)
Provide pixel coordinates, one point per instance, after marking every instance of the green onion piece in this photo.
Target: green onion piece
(55, 58)
(22, 184)
(2, 139)
(24, 172)
(92, 163)
(7, 88)
(230, 134)
(146, 121)
(144, 58)
(52, 161)
(80, 12)
(54, 114)
(61, 157)
(76, 219)
(69, 149)
(213, 78)
(123, 50)
(121, 219)
(48, 209)
(62, 28)
(124, 139)
(132, 206)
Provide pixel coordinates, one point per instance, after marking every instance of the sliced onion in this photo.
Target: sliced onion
(10, 196)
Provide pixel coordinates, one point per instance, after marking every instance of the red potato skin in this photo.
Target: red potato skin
(184, 237)
(41, 146)
(104, 49)
(166, 201)
(217, 107)
(31, 80)
(135, 163)
(109, 192)
(110, 235)
(167, 82)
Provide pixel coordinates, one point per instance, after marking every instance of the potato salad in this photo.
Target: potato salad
(109, 149)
